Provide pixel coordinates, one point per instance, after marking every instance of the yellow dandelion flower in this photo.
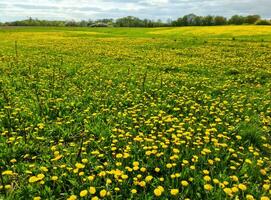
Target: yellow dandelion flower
(174, 192)
(157, 169)
(206, 172)
(119, 155)
(142, 183)
(234, 189)
(169, 165)
(148, 178)
(184, 183)
(8, 187)
(57, 158)
(54, 178)
(249, 197)
(72, 197)
(207, 178)
(83, 193)
(242, 187)
(228, 191)
(143, 169)
(208, 187)
(79, 166)
(91, 178)
(263, 172)
(266, 187)
(157, 192)
(33, 179)
(133, 191)
(7, 172)
(44, 169)
(40, 176)
(103, 193)
(92, 190)
(216, 181)
(124, 176)
(234, 178)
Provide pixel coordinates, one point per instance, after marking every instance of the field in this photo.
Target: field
(118, 113)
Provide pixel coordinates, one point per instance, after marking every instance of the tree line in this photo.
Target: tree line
(130, 21)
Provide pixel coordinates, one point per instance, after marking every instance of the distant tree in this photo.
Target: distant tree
(129, 21)
(237, 20)
(263, 22)
(83, 23)
(105, 21)
(71, 23)
(184, 21)
(90, 22)
(208, 20)
(252, 19)
(178, 22)
(220, 20)
(159, 23)
(198, 21)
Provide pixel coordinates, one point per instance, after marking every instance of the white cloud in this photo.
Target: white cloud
(85, 9)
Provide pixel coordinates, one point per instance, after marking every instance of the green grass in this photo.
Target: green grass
(86, 104)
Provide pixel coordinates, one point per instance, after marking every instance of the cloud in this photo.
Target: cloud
(155, 9)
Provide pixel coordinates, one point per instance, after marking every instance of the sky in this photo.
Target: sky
(11, 10)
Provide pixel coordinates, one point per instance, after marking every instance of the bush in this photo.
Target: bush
(263, 22)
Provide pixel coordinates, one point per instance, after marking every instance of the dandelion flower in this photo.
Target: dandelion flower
(83, 193)
(184, 183)
(208, 187)
(54, 178)
(249, 197)
(92, 190)
(242, 187)
(103, 193)
(72, 197)
(174, 192)
(133, 191)
(7, 172)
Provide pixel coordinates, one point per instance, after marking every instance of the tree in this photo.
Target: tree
(263, 22)
(237, 20)
(252, 19)
(129, 21)
(208, 20)
(219, 20)
(178, 22)
(72, 23)
(197, 21)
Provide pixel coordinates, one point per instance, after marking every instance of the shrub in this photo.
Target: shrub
(263, 22)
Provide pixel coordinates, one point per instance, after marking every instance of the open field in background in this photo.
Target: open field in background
(119, 113)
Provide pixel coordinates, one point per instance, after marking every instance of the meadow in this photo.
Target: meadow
(135, 113)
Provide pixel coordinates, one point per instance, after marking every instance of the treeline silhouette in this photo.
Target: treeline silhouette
(130, 21)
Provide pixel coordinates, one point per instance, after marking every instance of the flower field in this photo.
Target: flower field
(166, 113)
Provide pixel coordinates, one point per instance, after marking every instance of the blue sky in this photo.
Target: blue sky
(153, 9)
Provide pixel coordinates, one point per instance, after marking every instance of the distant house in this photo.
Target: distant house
(99, 25)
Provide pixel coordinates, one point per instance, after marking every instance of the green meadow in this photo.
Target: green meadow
(135, 113)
